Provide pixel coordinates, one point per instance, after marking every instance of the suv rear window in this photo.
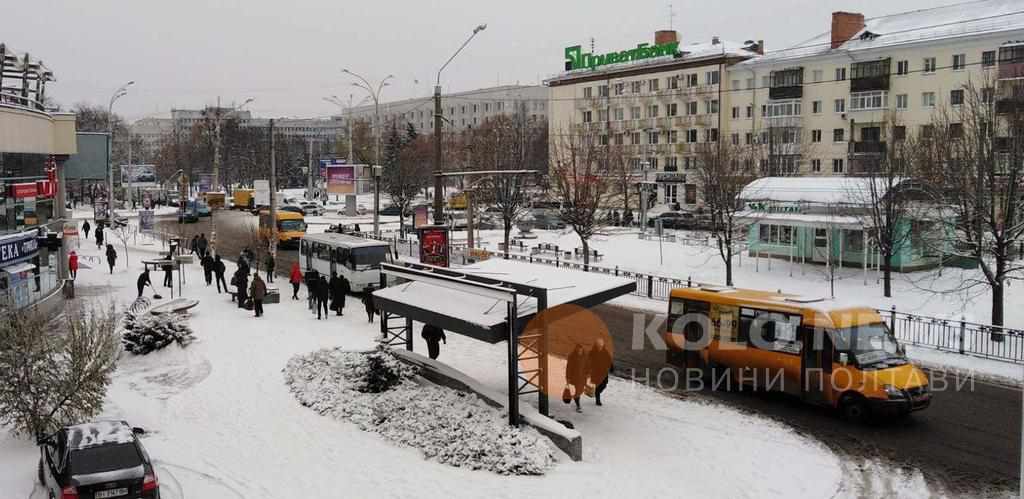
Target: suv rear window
(104, 458)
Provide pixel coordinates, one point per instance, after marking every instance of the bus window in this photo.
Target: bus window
(341, 256)
(303, 247)
(725, 320)
(291, 226)
(369, 257)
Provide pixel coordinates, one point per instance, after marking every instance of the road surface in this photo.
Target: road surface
(968, 441)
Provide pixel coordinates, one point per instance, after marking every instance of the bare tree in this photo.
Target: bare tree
(974, 156)
(582, 182)
(722, 171)
(406, 169)
(55, 374)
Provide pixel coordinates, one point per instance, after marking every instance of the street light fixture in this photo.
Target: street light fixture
(374, 93)
(438, 179)
(120, 92)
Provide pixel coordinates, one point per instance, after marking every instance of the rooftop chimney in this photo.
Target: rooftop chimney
(714, 40)
(844, 26)
(665, 36)
(760, 47)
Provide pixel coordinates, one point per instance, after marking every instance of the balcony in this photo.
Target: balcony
(790, 92)
(870, 75)
(869, 83)
(1010, 105)
(867, 148)
(665, 122)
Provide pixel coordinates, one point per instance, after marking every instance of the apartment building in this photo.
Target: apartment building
(461, 110)
(658, 102)
(827, 106)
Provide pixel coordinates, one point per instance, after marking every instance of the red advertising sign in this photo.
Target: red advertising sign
(341, 179)
(434, 245)
(24, 190)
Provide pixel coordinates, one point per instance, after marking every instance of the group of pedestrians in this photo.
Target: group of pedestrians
(200, 246)
(583, 366)
(324, 295)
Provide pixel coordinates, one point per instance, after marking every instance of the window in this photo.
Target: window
(672, 109)
(929, 65)
(734, 84)
(766, 81)
(634, 138)
(816, 107)
(711, 77)
(988, 58)
(959, 62)
(735, 139)
(816, 75)
(619, 139)
(602, 115)
(711, 106)
(899, 133)
(691, 108)
(691, 80)
(671, 164)
(926, 131)
(735, 112)
(588, 92)
(691, 135)
(784, 108)
(748, 138)
(672, 82)
(838, 134)
(602, 91)
(588, 117)
(652, 111)
(840, 74)
(816, 165)
(634, 86)
(837, 165)
(620, 88)
(711, 135)
(839, 105)
(652, 137)
(652, 85)
(815, 135)
(987, 94)
(750, 112)
(634, 113)
(620, 114)
(956, 130)
(603, 140)
(902, 67)
(673, 136)
(750, 83)
(928, 99)
(869, 100)
(956, 97)
(901, 101)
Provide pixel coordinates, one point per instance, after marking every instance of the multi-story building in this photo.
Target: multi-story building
(461, 110)
(659, 103)
(829, 105)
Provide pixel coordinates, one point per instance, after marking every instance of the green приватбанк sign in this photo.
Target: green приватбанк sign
(576, 59)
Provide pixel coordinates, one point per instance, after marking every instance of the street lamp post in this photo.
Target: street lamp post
(438, 178)
(374, 92)
(120, 92)
(347, 110)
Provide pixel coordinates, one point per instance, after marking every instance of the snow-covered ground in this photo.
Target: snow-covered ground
(222, 422)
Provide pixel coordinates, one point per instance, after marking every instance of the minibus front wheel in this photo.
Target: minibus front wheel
(854, 407)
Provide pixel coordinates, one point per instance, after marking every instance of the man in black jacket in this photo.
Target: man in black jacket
(241, 280)
(218, 272)
(323, 294)
(207, 263)
(339, 288)
(434, 336)
(143, 281)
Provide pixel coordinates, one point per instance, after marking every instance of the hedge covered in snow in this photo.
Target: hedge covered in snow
(144, 332)
(449, 426)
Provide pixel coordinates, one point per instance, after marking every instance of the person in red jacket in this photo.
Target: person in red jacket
(295, 277)
(73, 264)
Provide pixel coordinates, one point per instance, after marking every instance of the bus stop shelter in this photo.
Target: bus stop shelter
(491, 301)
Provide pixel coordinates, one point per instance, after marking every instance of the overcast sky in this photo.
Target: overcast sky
(288, 54)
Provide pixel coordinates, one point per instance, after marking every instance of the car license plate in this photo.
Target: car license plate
(103, 494)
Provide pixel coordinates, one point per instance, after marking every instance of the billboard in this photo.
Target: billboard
(138, 175)
(419, 215)
(146, 220)
(261, 197)
(434, 245)
(205, 182)
(341, 179)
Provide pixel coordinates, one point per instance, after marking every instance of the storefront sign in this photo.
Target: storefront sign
(774, 207)
(434, 245)
(671, 177)
(24, 190)
(18, 248)
(576, 59)
(341, 179)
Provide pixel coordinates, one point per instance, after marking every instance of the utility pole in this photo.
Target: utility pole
(215, 183)
(273, 194)
(309, 181)
(374, 93)
(120, 92)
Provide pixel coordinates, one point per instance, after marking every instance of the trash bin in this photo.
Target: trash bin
(69, 289)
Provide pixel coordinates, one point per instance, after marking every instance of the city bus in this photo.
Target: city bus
(355, 258)
(290, 227)
(843, 358)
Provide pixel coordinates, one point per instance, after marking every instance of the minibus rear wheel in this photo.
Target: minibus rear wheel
(854, 408)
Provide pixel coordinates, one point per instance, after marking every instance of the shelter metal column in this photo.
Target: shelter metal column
(531, 352)
(513, 363)
(396, 330)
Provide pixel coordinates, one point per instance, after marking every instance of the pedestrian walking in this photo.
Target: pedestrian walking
(323, 295)
(269, 263)
(218, 273)
(203, 245)
(312, 281)
(193, 246)
(73, 264)
(99, 235)
(143, 281)
(295, 277)
(339, 288)
(600, 364)
(368, 303)
(576, 373)
(433, 336)
(258, 291)
(85, 228)
(207, 263)
(111, 257)
(168, 269)
(241, 282)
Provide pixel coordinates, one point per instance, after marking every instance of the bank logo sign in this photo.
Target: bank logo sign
(576, 59)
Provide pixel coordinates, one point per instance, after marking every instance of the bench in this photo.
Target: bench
(594, 255)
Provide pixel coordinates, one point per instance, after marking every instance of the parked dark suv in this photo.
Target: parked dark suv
(101, 460)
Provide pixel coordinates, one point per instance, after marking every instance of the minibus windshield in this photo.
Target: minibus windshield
(868, 344)
(291, 225)
(369, 257)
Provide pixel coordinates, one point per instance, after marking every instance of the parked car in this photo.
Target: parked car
(391, 211)
(544, 220)
(99, 460)
(312, 209)
(202, 209)
(674, 220)
(292, 208)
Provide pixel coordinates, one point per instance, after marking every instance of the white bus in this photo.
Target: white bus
(355, 258)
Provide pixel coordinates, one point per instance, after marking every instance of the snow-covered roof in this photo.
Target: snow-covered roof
(815, 190)
(99, 433)
(916, 26)
(343, 239)
(802, 219)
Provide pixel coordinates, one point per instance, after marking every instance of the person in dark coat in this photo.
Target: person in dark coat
(85, 228)
(99, 235)
(339, 288)
(576, 373)
(323, 293)
(258, 290)
(433, 336)
(202, 245)
(312, 279)
(111, 257)
(168, 269)
(143, 281)
(193, 245)
(269, 261)
(368, 303)
(600, 365)
(218, 272)
(241, 279)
